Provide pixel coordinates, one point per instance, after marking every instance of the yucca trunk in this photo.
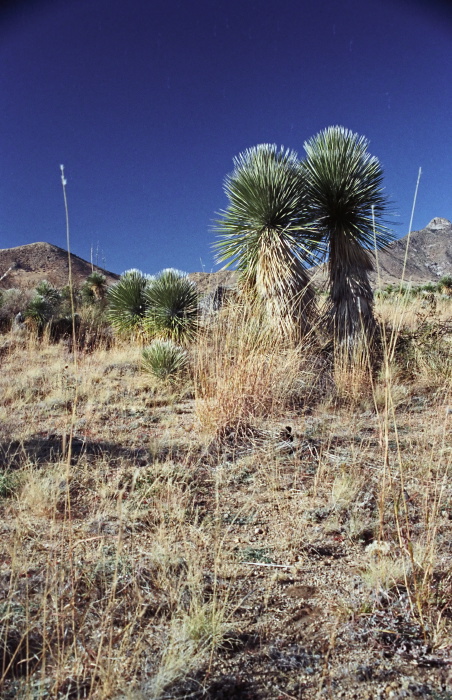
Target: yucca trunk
(350, 309)
(283, 285)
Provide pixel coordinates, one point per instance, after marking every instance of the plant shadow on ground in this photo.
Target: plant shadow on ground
(42, 450)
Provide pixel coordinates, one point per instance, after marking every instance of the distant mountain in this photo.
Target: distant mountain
(207, 282)
(429, 255)
(27, 265)
(429, 258)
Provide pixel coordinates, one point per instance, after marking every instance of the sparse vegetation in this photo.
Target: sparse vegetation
(291, 520)
(240, 509)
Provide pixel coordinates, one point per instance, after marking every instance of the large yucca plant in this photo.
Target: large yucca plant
(127, 303)
(344, 186)
(266, 232)
(172, 307)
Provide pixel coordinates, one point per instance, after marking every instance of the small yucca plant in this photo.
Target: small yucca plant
(445, 284)
(49, 293)
(127, 303)
(165, 360)
(172, 307)
(39, 311)
(94, 288)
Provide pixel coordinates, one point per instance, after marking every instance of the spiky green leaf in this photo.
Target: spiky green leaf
(172, 306)
(267, 232)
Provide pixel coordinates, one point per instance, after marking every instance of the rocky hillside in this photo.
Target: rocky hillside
(429, 255)
(27, 265)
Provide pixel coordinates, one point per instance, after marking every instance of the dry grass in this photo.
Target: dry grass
(244, 374)
(197, 547)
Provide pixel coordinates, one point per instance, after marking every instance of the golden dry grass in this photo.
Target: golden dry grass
(187, 544)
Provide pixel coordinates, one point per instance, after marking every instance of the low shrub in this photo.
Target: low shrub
(165, 360)
(39, 311)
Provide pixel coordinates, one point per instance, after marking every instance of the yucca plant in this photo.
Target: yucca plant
(172, 307)
(127, 303)
(165, 360)
(95, 287)
(266, 231)
(48, 292)
(39, 311)
(344, 186)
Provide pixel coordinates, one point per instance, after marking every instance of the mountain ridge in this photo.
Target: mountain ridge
(428, 258)
(26, 265)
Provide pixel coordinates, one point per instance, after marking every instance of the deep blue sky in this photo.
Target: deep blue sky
(146, 102)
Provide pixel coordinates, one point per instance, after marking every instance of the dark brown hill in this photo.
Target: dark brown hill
(27, 265)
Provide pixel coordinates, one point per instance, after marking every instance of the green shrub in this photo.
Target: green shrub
(127, 303)
(381, 294)
(9, 483)
(87, 294)
(49, 293)
(165, 360)
(172, 307)
(414, 291)
(445, 284)
(429, 287)
(39, 311)
(94, 288)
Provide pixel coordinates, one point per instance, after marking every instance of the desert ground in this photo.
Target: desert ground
(276, 524)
